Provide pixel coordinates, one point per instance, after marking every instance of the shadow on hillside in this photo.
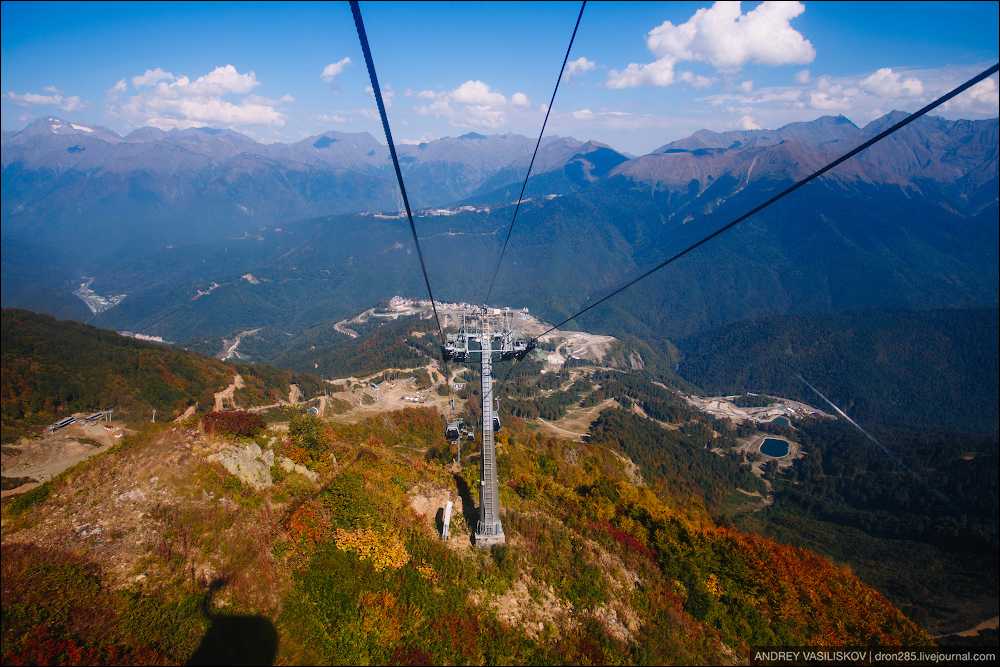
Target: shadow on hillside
(234, 639)
(468, 505)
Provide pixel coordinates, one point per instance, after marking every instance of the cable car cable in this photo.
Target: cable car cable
(787, 191)
(363, 37)
(377, 90)
(990, 71)
(520, 197)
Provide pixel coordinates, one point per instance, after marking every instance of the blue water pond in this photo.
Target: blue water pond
(774, 447)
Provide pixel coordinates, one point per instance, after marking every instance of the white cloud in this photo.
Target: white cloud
(463, 115)
(482, 116)
(416, 142)
(167, 101)
(656, 73)
(152, 76)
(332, 118)
(578, 66)
(588, 120)
(748, 123)
(826, 102)
(777, 105)
(832, 96)
(477, 92)
(32, 98)
(696, 80)
(220, 81)
(333, 70)
(982, 99)
(201, 112)
(54, 98)
(388, 94)
(259, 99)
(747, 86)
(472, 104)
(886, 83)
(724, 37)
(119, 87)
(802, 76)
(787, 95)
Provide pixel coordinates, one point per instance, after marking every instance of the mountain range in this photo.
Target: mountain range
(207, 232)
(82, 182)
(202, 182)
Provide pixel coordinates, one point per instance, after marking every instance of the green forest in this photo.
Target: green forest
(929, 369)
(917, 519)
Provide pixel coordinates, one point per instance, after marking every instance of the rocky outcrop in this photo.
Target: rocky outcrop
(252, 465)
(289, 465)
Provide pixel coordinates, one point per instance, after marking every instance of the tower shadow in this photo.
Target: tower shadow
(469, 511)
(234, 639)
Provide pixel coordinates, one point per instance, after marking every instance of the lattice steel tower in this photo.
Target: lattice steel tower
(492, 331)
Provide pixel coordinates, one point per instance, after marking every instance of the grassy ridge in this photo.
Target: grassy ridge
(52, 368)
(597, 569)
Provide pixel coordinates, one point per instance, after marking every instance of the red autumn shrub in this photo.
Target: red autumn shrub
(628, 540)
(233, 422)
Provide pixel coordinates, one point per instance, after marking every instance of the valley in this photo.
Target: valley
(640, 491)
(322, 262)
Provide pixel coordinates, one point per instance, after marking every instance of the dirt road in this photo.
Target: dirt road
(47, 455)
(227, 394)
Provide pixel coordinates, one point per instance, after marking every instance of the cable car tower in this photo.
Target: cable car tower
(485, 332)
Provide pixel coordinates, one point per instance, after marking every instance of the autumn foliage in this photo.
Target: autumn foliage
(233, 422)
(382, 549)
(89, 625)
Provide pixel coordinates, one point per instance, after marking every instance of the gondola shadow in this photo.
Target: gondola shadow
(234, 639)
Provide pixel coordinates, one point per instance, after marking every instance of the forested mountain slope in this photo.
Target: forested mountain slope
(53, 368)
(936, 369)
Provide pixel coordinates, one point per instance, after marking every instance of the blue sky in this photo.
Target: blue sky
(449, 68)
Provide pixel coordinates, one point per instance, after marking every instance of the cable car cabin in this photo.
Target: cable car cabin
(463, 347)
(518, 350)
(456, 347)
(496, 424)
(453, 430)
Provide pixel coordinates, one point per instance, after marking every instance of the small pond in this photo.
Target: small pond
(774, 447)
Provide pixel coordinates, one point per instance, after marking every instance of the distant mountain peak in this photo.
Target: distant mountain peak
(50, 125)
(839, 119)
(324, 142)
(473, 135)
